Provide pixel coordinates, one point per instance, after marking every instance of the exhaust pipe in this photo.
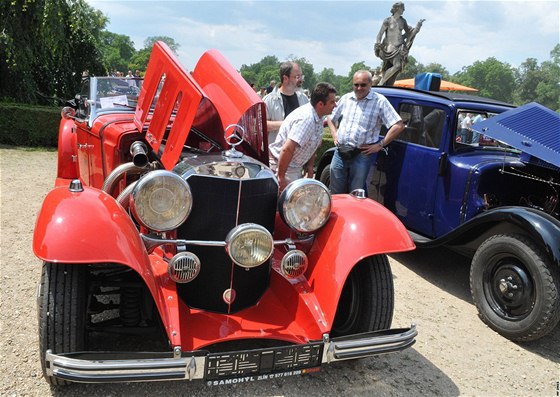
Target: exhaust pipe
(139, 153)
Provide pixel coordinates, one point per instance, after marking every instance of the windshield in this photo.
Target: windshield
(466, 136)
(116, 92)
(100, 95)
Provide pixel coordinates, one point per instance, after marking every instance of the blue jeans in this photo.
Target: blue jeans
(348, 175)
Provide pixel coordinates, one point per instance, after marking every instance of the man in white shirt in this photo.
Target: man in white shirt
(300, 136)
(282, 101)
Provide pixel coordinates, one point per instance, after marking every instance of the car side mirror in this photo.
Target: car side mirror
(68, 113)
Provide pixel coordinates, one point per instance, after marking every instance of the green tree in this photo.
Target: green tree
(47, 45)
(539, 83)
(493, 79)
(436, 68)
(327, 75)
(411, 69)
(117, 50)
(262, 72)
(172, 44)
(139, 61)
(548, 90)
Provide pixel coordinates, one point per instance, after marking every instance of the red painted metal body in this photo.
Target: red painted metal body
(297, 311)
(88, 226)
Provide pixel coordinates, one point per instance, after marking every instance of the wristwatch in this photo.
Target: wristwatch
(382, 143)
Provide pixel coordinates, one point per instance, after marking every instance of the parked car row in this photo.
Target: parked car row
(169, 252)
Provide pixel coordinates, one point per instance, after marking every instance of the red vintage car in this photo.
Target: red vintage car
(170, 254)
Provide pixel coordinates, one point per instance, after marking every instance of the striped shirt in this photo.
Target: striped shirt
(362, 119)
(304, 127)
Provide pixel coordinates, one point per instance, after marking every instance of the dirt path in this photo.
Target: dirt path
(455, 353)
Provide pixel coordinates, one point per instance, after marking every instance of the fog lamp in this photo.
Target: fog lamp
(249, 245)
(294, 264)
(184, 267)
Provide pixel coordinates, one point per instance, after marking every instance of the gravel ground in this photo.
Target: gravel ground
(455, 353)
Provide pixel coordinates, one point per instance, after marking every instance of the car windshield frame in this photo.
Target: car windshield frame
(111, 95)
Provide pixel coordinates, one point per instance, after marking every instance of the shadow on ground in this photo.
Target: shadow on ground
(449, 271)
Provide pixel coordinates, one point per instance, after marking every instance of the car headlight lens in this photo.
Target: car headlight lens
(305, 205)
(249, 245)
(161, 200)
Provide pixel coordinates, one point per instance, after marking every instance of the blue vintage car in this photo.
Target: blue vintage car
(488, 188)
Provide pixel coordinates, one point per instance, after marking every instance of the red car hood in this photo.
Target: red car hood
(209, 99)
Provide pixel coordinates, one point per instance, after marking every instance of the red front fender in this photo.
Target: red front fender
(358, 228)
(87, 227)
(90, 227)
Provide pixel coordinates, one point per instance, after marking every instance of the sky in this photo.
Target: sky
(337, 34)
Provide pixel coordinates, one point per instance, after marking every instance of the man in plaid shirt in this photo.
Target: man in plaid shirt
(363, 112)
(300, 136)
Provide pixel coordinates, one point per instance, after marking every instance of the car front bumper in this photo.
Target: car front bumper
(224, 368)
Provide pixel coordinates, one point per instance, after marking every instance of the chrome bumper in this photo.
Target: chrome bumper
(224, 368)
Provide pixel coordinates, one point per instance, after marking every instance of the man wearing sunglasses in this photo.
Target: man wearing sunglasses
(361, 112)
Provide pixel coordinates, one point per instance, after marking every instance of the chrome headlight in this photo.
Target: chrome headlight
(305, 205)
(161, 200)
(249, 245)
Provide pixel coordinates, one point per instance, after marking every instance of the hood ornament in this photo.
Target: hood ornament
(234, 139)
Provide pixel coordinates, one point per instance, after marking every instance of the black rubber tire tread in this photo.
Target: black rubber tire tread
(546, 313)
(325, 177)
(62, 310)
(375, 303)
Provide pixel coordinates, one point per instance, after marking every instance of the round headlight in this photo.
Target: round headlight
(161, 200)
(305, 205)
(249, 245)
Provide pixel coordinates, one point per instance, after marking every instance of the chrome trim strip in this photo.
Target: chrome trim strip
(100, 367)
(345, 348)
(151, 243)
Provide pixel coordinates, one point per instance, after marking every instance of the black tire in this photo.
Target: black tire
(367, 299)
(325, 177)
(514, 287)
(61, 304)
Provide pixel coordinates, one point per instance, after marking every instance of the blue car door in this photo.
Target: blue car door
(405, 178)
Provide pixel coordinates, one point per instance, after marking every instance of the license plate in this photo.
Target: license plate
(263, 361)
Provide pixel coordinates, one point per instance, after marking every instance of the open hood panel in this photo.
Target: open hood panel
(174, 102)
(531, 128)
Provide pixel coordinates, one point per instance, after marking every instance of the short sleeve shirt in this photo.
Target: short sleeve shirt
(275, 105)
(304, 127)
(362, 119)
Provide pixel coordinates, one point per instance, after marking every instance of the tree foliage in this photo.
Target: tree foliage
(171, 43)
(539, 83)
(493, 79)
(117, 50)
(45, 45)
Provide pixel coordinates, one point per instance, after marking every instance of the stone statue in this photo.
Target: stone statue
(392, 46)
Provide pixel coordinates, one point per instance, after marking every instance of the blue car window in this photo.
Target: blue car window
(424, 124)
